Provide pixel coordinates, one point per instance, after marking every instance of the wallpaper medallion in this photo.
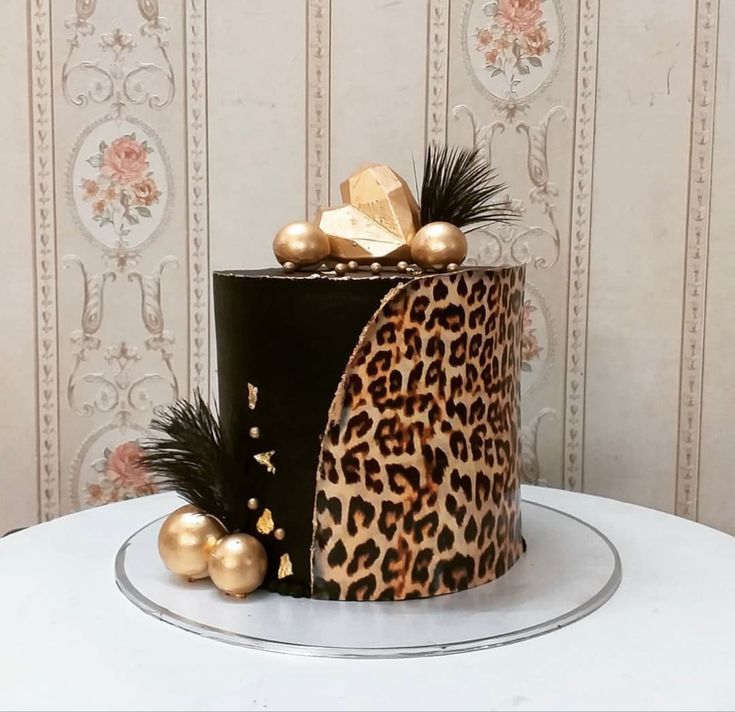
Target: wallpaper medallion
(512, 49)
(119, 184)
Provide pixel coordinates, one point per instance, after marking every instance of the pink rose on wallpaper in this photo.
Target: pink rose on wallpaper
(125, 160)
(121, 476)
(146, 192)
(124, 189)
(518, 16)
(536, 41)
(124, 468)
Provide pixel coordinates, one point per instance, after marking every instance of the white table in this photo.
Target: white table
(666, 640)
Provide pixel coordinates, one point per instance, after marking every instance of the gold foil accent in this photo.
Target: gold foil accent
(265, 523)
(264, 458)
(284, 566)
(252, 396)
(384, 197)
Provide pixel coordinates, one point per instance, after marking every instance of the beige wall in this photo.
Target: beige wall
(615, 142)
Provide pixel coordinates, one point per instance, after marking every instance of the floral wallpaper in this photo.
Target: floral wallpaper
(124, 188)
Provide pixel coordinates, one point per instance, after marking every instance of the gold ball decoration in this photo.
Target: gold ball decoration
(186, 540)
(402, 266)
(340, 268)
(289, 266)
(252, 503)
(376, 267)
(279, 534)
(301, 244)
(237, 564)
(352, 266)
(452, 267)
(438, 244)
(254, 432)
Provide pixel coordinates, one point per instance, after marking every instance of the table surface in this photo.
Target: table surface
(666, 640)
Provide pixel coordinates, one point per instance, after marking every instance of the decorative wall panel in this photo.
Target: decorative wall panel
(120, 172)
(154, 124)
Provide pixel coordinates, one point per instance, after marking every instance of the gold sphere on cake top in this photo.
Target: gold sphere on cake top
(437, 245)
(238, 564)
(300, 244)
(186, 540)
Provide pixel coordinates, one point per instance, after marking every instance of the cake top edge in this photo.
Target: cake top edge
(387, 273)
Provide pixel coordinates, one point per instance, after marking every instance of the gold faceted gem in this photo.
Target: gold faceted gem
(381, 194)
(265, 523)
(354, 236)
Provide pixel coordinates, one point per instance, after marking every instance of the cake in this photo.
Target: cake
(366, 446)
(386, 414)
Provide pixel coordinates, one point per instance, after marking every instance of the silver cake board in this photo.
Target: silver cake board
(569, 570)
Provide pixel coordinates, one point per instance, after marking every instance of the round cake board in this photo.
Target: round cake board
(569, 570)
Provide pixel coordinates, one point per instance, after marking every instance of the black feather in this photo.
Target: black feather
(459, 187)
(194, 458)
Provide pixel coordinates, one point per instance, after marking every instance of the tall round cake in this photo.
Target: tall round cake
(380, 415)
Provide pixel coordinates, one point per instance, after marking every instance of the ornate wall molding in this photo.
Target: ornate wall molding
(44, 225)
(579, 251)
(437, 71)
(198, 197)
(318, 91)
(695, 272)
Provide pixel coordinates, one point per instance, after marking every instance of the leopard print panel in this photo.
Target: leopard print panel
(418, 486)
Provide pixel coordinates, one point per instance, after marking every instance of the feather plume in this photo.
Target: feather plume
(459, 187)
(193, 458)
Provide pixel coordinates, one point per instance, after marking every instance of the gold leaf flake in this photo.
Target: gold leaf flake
(252, 396)
(264, 458)
(284, 566)
(265, 524)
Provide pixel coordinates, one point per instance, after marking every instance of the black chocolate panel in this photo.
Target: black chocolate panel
(291, 336)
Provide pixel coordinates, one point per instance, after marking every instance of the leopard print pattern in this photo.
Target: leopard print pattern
(418, 484)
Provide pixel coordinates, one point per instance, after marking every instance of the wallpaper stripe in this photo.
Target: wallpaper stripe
(437, 71)
(44, 223)
(579, 252)
(697, 242)
(318, 89)
(198, 198)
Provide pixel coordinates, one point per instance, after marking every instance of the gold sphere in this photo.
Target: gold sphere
(301, 244)
(340, 268)
(237, 564)
(402, 266)
(279, 534)
(438, 244)
(186, 540)
(352, 266)
(452, 267)
(289, 267)
(376, 267)
(252, 503)
(254, 432)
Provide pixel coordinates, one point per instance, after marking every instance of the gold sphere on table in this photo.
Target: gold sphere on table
(300, 244)
(186, 540)
(237, 564)
(438, 244)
